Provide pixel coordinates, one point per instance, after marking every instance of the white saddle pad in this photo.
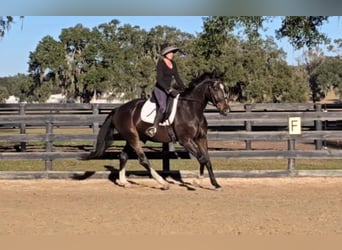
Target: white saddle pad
(148, 112)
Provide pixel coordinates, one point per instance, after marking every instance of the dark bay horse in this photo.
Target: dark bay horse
(189, 126)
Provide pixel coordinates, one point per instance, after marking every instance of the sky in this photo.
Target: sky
(24, 36)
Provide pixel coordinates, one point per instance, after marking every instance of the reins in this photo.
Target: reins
(198, 100)
(189, 99)
(213, 100)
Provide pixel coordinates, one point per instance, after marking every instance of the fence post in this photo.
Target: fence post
(248, 127)
(48, 145)
(22, 126)
(318, 127)
(325, 127)
(291, 162)
(166, 159)
(95, 125)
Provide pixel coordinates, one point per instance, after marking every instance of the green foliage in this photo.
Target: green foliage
(17, 85)
(328, 75)
(107, 59)
(118, 59)
(255, 69)
(3, 94)
(5, 24)
(217, 29)
(5, 88)
(303, 31)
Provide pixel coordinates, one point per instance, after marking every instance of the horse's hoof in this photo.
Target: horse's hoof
(165, 187)
(197, 182)
(218, 188)
(124, 184)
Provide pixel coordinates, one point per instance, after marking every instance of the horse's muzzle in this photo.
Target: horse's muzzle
(224, 112)
(223, 109)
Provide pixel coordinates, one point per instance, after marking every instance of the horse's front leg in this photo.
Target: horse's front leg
(193, 149)
(205, 161)
(201, 174)
(211, 174)
(199, 149)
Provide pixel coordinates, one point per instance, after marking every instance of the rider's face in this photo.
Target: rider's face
(169, 55)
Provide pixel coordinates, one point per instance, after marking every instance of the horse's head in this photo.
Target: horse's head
(219, 96)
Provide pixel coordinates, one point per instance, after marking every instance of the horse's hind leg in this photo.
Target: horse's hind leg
(146, 164)
(122, 172)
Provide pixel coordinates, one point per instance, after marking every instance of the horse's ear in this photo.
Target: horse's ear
(218, 75)
(200, 78)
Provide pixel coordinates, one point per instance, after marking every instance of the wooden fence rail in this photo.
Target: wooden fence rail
(246, 123)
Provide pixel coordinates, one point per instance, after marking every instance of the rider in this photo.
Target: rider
(166, 72)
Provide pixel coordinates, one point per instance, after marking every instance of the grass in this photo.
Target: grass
(218, 164)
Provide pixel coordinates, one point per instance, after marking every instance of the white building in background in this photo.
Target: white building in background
(105, 99)
(59, 98)
(12, 99)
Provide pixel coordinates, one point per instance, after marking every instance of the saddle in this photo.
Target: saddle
(148, 111)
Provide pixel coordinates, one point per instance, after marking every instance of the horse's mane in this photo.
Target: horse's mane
(200, 79)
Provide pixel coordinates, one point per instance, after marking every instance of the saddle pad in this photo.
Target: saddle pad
(148, 112)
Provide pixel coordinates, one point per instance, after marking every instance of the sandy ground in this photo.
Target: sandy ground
(245, 206)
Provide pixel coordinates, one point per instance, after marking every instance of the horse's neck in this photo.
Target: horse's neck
(197, 97)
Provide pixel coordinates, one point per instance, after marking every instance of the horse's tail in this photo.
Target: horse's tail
(104, 137)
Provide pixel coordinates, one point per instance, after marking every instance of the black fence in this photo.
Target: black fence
(245, 123)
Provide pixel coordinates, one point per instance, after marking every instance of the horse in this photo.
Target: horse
(189, 129)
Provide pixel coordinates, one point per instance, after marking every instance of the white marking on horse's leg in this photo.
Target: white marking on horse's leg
(159, 179)
(198, 181)
(122, 178)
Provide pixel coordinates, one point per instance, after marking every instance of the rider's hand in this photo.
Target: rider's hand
(173, 93)
(181, 89)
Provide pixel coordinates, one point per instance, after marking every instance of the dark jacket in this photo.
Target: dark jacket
(165, 75)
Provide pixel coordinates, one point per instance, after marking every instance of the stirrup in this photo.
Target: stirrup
(151, 131)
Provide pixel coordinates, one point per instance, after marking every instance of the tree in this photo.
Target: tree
(302, 31)
(110, 58)
(5, 24)
(134, 68)
(44, 64)
(217, 28)
(253, 68)
(6, 87)
(118, 59)
(75, 41)
(328, 75)
(4, 94)
(252, 65)
(264, 75)
(11, 86)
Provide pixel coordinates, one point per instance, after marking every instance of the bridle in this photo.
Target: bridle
(212, 94)
(212, 90)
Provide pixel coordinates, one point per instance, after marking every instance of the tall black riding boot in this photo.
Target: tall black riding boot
(151, 131)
